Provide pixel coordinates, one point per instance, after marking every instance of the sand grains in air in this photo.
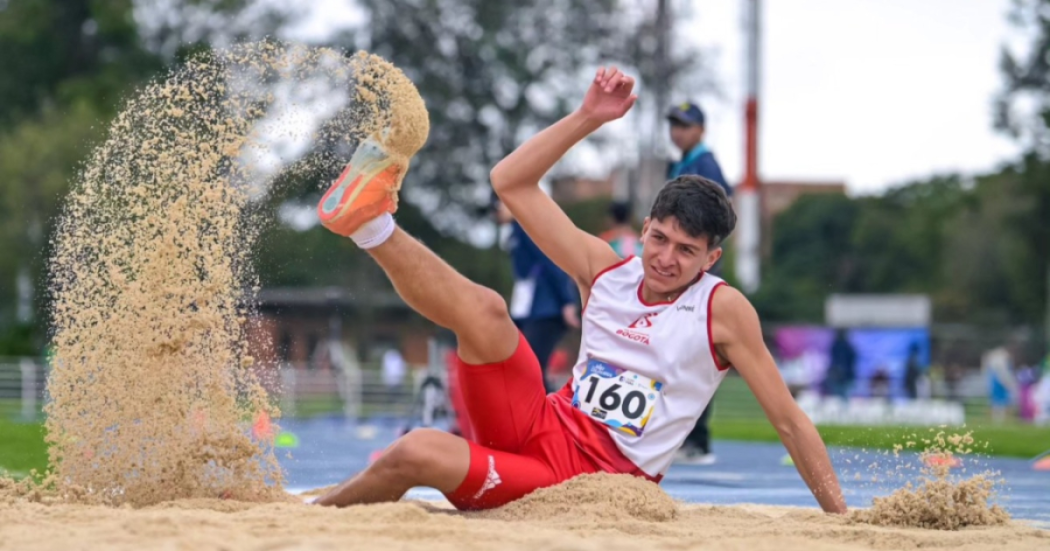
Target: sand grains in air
(153, 389)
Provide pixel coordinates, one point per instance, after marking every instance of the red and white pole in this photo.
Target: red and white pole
(749, 232)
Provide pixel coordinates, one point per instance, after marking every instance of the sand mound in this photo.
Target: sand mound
(940, 500)
(604, 497)
(938, 504)
(153, 390)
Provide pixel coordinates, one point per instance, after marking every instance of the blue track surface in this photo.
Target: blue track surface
(330, 450)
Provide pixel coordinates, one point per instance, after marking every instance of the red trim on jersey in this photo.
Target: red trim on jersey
(600, 274)
(663, 302)
(610, 268)
(710, 331)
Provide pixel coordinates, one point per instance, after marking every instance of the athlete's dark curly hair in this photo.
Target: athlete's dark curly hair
(700, 206)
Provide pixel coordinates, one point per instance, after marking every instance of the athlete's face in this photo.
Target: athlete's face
(672, 258)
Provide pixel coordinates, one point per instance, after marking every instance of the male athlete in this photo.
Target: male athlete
(659, 335)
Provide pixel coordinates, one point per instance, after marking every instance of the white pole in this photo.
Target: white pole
(28, 368)
(287, 389)
(748, 240)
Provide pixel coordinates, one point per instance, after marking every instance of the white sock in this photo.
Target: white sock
(375, 232)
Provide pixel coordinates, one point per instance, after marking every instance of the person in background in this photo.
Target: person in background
(842, 368)
(394, 369)
(621, 235)
(543, 304)
(1027, 377)
(880, 384)
(997, 365)
(1041, 395)
(953, 376)
(687, 134)
(913, 372)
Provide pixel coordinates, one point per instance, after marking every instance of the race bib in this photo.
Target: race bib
(622, 399)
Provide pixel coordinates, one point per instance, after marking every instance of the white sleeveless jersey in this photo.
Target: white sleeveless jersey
(646, 371)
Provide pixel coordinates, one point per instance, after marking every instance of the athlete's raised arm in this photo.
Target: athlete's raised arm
(738, 338)
(516, 179)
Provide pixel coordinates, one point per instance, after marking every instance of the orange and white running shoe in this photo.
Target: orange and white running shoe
(367, 188)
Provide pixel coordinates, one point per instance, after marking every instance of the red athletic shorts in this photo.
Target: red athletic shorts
(524, 439)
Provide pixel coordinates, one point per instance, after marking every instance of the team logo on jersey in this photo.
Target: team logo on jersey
(643, 322)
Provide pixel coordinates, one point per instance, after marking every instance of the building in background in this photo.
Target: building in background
(294, 324)
(571, 189)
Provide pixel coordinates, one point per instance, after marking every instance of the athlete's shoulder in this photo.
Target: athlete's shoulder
(732, 314)
(727, 299)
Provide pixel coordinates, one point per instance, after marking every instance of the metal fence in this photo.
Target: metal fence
(21, 388)
(358, 392)
(302, 391)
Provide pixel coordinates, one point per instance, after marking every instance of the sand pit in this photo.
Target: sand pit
(590, 512)
(227, 525)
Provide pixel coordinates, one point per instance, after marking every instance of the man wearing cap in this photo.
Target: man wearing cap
(687, 134)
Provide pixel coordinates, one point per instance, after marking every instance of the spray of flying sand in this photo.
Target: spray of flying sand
(152, 387)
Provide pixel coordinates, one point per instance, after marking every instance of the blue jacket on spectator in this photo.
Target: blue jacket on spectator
(701, 162)
(554, 289)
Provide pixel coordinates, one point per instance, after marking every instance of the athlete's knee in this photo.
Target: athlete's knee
(411, 457)
(486, 334)
(490, 306)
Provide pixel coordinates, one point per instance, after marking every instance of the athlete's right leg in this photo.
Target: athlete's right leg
(485, 333)
(359, 205)
(476, 314)
(499, 376)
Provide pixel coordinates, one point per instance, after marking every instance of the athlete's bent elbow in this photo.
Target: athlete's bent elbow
(499, 179)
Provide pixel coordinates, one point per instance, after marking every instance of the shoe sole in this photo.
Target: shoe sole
(337, 210)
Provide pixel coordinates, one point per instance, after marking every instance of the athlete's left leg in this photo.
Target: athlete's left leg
(423, 457)
(470, 475)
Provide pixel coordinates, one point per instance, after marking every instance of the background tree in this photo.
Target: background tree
(1024, 113)
(67, 65)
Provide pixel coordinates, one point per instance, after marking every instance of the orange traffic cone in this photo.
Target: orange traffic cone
(940, 460)
(262, 429)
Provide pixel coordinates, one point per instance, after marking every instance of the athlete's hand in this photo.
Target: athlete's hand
(609, 96)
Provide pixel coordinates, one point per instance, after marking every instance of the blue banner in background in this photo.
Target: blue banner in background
(804, 354)
(883, 354)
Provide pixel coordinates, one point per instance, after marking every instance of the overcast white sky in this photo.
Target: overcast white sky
(869, 92)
